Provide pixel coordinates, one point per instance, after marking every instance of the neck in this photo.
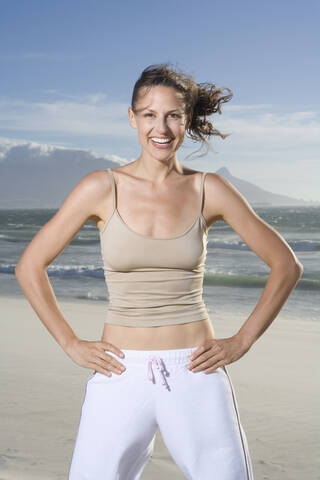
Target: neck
(154, 170)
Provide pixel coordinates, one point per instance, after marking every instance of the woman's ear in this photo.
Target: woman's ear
(132, 119)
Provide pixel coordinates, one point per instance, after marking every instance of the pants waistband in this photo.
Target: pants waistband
(170, 356)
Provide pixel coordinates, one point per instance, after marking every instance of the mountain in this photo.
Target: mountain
(31, 178)
(256, 196)
(41, 176)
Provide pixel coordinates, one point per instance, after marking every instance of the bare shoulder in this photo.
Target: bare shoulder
(96, 181)
(222, 197)
(96, 188)
(93, 186)
(80, 205)
(217, 192)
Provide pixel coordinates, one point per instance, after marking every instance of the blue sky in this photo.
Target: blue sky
(68, 70)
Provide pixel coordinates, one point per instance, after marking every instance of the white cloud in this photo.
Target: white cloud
(45, 149)
(116, 158)
(91, 116)
(242, 108)
(7, 143)
(272, 130)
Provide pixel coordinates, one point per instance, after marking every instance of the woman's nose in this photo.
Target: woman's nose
(161, 125)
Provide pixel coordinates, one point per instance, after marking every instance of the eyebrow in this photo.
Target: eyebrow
(170, 111)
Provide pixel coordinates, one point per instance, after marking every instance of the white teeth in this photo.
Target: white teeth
(161, 140)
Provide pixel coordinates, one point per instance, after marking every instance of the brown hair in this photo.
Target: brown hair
(200, 99)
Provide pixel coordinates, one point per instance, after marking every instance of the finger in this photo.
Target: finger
(202, 358)
(110, 360)
(197, 352)
(209, 362)
(108, 368)
(214, 367)
(115, 370)
(200, 350)
(201, 366)
(112, 348)
(102, 370)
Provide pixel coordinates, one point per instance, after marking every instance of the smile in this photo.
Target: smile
(161, 143)
(161, 140)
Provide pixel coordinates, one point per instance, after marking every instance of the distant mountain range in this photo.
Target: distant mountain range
(256, 196)
(31, 177)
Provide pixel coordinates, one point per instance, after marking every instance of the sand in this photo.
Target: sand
(276, 385)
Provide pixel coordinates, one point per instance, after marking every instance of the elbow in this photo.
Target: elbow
(19, 270)
(23, 269)
(27, 266)
(294, 268)
(297, 271)
(21, 265)
(290, 265)
(297, 267)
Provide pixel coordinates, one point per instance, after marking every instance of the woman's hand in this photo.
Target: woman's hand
(216, 353)
(91, 354)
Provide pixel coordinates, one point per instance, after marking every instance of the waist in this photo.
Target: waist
(186, 335)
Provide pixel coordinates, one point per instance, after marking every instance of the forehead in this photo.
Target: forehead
(159, 96)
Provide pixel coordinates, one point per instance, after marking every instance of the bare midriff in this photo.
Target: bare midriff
(185, 335)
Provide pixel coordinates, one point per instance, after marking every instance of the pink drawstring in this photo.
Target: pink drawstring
(160, 366)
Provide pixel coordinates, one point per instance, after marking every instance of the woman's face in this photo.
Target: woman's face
(160, 115)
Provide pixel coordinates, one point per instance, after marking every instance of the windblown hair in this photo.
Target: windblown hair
(200, 99)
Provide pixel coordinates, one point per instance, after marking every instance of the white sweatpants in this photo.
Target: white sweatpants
(197, 415)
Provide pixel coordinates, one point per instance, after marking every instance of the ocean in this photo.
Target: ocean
(234, 276)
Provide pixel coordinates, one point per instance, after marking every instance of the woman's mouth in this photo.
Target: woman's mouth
(161, 143)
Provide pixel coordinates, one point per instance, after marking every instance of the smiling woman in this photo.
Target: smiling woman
(198, 101)
(153, 216)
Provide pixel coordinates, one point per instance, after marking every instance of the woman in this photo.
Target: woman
(153, 216)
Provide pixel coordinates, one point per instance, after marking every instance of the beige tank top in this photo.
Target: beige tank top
(153, 281)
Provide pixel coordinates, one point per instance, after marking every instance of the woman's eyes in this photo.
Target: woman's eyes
(176, 115)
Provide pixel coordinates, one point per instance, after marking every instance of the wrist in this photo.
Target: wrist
(245, 339)
(68, 344)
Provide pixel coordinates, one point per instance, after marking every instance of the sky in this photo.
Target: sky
(68, 70)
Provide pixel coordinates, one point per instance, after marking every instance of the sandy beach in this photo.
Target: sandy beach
(276, 385)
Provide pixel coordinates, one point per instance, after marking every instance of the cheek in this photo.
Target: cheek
(143, 134)
(179, 143)
(181, 133)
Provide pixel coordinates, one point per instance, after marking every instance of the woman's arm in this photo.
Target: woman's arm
(224, 202)
(81, 205)
(267, 243)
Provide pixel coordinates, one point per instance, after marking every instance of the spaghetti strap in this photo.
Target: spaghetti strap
(201, 191)
(113, 189)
